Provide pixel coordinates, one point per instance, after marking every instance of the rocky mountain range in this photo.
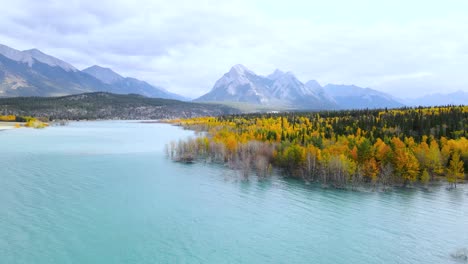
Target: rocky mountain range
(127, 85)
(284, 89)
(34, 73)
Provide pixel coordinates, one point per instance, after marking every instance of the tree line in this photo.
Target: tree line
(380, 148)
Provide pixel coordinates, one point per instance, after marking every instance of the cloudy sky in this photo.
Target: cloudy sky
(407, 48)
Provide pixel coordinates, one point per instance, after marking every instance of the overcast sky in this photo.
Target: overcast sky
(407, 48)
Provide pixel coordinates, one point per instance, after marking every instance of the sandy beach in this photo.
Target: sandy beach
(7, 125)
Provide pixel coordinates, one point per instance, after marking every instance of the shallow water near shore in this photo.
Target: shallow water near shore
(104, 192)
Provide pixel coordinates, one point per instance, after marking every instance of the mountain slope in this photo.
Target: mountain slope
(49, 60)
(33, 55)
(102, 105)
(284, 90)
(299, 95)
(239, 85)
(18, 78)
(277, 89)
(318, 90)
(354, 97)
(105, 75)
(455, 98)
(34, 73)
(128, 85)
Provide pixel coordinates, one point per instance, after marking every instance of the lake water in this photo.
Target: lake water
(103, 192)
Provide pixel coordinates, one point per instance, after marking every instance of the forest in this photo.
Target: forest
(101, 105)
(380, 148)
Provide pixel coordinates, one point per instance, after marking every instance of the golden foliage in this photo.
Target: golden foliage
(353, 146)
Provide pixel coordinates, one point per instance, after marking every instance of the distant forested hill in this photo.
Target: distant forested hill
(101, 105)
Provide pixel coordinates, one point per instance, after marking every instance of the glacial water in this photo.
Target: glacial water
(103, 192)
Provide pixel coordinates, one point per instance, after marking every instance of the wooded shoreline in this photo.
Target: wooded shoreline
(343, 149)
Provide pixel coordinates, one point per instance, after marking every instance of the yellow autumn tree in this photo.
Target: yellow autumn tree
(455, 171)
(405, 163)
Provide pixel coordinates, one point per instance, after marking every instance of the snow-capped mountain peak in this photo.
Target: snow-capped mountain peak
(279, 88)
(238, 85)
(284, 89)
(287, 86)
(275, 75)
(313, 84)
(239, 70)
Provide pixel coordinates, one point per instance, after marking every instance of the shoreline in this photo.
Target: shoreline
(298, 145)
(7, 125)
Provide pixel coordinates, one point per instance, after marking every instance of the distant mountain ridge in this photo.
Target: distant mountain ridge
(277, 89)
(106, 75)
(354, 97)
(35, 78)
(127, 85)
(34, 73)
(284, 89)
(455, 98)
(32, 55)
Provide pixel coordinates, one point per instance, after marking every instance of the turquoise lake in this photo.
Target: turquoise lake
(104, 192)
